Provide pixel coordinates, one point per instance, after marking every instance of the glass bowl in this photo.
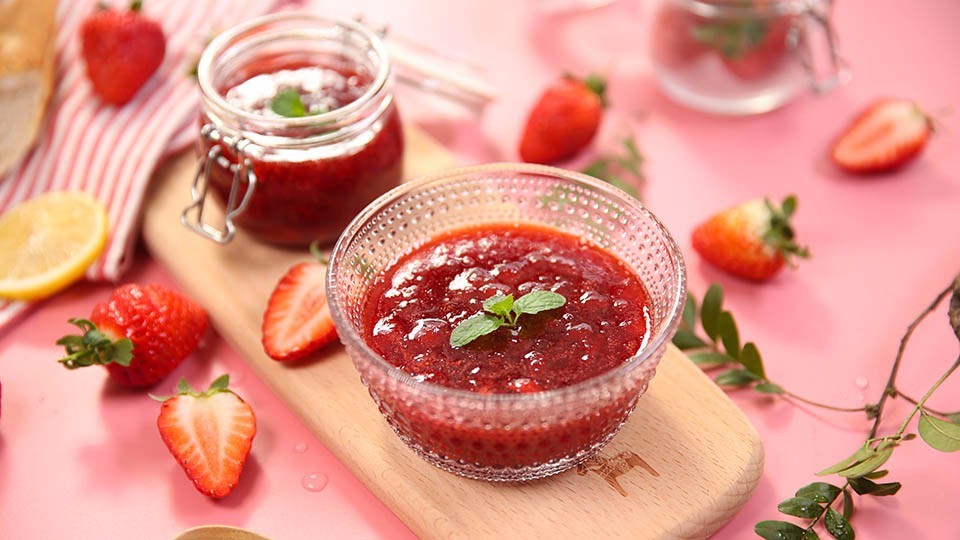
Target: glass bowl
(505, 436)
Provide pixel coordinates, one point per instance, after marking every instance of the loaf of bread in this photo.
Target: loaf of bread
(27, 57)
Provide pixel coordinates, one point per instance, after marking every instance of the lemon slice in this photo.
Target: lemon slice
(47, 242)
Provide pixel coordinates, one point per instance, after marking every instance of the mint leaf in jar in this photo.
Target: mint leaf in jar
(289, 104)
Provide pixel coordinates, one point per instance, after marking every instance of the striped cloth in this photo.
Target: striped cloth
(110, 151)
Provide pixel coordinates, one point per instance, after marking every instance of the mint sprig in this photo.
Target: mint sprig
(503, 310)
(289, 104)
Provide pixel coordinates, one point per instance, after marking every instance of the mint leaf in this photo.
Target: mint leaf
(537, 301)
(480, 324)
(287, 103)
(499, 304)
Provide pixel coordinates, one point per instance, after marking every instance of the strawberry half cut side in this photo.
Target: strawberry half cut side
(209, 433)
(889, 134)
(297, 320)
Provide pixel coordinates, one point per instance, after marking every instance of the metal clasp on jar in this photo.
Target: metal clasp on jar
(817, 13)
(242, 173)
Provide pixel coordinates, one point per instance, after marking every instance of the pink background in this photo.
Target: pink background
(82, 459)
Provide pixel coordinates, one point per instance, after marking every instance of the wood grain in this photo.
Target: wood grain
(690, 457)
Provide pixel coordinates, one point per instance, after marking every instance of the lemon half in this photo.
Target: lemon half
(47, 242)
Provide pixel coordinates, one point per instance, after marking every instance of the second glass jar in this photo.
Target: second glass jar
(299, 129)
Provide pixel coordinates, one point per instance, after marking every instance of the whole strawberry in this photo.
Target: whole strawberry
(209, 433)
(122, 50)
(564, 120)
(753, 240)
(140, 334)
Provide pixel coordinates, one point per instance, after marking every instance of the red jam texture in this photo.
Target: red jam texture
(297, 200)
(415, 304)
(418, 301)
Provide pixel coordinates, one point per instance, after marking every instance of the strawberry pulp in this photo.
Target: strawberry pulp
(310, 194)
(414, 305)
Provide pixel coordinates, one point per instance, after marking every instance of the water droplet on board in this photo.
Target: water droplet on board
(862, 382)
(314, 481)
(300, 447)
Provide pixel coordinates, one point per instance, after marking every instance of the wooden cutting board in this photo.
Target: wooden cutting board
(683, 464)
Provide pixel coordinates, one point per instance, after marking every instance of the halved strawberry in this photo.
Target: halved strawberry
(209, 433)
(753, 240)
(887, 135)
(297, 320)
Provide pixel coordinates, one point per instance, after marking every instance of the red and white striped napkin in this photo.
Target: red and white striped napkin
(110, 151)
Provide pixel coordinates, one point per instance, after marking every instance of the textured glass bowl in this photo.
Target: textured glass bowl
(505, 436)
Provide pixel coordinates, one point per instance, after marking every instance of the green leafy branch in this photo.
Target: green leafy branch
(720, 347)
(621, 170)
(816, 502)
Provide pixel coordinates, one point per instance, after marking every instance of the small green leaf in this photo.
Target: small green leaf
(864, 486)
(710, 310)
(821, 492)
(470, 329)
(778, 530)
(690, 313)
(221, 382)
(868, 465)
(537, 301)
(288, 104)
(837, 526)
(123, 352)
(499, 304)
(789, 206)
(685, 339)
(729, 335)
(183, 387)
(750, 358)
(856, 457)
(876, 474)
(810, 534)
(847, 505)
(801, 507)
(735, 377)
(768, 388)
(939, 434)
(710, 358)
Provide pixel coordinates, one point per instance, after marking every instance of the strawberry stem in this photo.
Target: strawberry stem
(93, 347)
(136, 5)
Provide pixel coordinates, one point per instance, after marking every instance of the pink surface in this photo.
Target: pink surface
(81, 459)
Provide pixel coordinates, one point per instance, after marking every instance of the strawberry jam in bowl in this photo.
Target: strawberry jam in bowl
(299, 129)
(742, 56)
(506, 318)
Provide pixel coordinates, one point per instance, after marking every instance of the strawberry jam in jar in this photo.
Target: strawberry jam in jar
(544, 392)
(299, 129)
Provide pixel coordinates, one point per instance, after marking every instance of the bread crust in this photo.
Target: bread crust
(27, 62)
